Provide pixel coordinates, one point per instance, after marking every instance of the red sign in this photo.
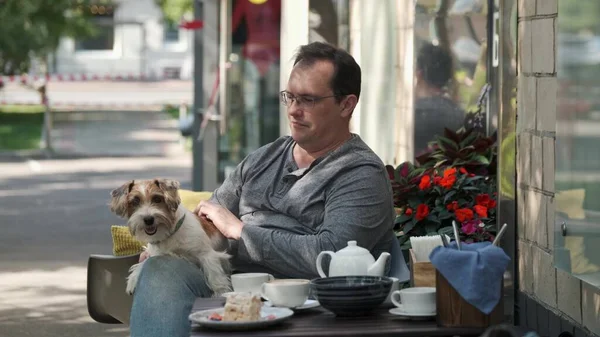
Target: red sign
(191, 25)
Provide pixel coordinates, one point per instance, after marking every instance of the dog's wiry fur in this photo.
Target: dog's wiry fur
(152, 209)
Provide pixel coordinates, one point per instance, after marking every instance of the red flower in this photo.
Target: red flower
(425, 183)
(449, 178)
(481, 211)
(453, 206)
(408, 211)
(422, 212)
(448, 182)
(463, 170)
(437, 179)
(449, 172)
(463, 214)
(483, 200)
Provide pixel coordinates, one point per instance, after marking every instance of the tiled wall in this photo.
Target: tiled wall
(550, 301)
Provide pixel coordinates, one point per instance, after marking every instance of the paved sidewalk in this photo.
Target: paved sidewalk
(104, 93)
(115, 133)
(54, 214)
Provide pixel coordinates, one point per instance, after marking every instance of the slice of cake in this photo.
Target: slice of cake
(242, 307)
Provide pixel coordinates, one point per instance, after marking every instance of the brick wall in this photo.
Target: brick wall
(562, 302)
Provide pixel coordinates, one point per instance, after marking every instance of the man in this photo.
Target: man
(433, 111)
(287, 201)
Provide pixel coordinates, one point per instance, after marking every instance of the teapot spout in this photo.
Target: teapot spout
(378, 268)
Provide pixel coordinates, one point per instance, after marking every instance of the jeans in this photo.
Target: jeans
(164, 295)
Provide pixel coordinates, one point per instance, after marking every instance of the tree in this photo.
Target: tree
(33, 28)
(578, 16)
(175, 9)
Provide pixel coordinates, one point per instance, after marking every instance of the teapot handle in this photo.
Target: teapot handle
(320, 260)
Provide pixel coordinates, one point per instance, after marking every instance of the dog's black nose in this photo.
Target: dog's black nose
(149, 220)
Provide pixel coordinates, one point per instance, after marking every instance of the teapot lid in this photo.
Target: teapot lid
(352, 250)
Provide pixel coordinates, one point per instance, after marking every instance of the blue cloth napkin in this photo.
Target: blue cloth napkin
(476, 271)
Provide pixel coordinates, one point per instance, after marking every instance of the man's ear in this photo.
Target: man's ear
(348, 104)
(170, 189)
(118, 201)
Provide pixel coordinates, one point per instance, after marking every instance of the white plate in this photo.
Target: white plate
(402, 313)
(201, 318)
(309, 304)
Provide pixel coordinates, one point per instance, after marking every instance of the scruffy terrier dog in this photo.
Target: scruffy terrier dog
(156, 217)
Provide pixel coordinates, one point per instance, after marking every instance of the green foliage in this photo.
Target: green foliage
(466, 148)
(20, 130)
(175, 9)
(33, 28)
(578, 16)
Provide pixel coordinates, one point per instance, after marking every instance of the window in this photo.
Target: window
(451, 70)
(171, 32)
(328, 22)
(103, 37)
(577, 178)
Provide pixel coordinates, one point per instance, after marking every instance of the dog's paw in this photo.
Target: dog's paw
(134, 273)
(130, 286)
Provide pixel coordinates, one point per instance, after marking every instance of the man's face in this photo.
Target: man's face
(319, 123)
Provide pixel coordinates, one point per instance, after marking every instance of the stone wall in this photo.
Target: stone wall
(561, 302)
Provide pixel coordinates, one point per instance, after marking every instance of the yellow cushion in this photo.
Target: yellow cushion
(570, 202)
(124, 244)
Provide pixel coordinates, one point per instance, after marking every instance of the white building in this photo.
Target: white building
(132, 39)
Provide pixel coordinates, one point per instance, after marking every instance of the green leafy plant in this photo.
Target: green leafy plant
(463, 148)
(428, 200)
(454, 181)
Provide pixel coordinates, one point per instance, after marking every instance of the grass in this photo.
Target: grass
(172, 111)
(20, 127)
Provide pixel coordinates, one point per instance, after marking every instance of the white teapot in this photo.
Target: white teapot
(353, 260)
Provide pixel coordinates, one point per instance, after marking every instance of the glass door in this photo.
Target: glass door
(249, 43)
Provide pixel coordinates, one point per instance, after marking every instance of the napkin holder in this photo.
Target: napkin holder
(454, 311)
(422, 274)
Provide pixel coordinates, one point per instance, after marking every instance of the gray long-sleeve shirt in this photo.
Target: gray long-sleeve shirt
(290, 215)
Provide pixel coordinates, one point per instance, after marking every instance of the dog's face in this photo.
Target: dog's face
(150, 207)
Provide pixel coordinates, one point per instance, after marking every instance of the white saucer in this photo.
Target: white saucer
(309, 304)
(400, 312)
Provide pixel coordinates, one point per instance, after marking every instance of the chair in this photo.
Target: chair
(106, 281)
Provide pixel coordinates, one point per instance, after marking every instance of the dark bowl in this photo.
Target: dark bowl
(351, 295)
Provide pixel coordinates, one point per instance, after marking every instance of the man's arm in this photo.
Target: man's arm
(359, 207)
(228, 194)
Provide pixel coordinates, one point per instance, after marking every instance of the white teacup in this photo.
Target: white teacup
(249, 282)
(288, 293)
(417, 300)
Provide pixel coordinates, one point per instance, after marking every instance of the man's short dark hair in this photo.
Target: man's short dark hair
(435, 65)
(346, 76)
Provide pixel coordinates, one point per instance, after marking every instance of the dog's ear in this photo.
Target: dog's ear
(118, 201)
(170, 189)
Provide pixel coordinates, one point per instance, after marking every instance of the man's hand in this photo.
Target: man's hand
(227, 223)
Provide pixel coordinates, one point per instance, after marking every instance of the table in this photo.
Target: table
(320, 322)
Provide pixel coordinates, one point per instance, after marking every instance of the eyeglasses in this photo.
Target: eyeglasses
(302, 101)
